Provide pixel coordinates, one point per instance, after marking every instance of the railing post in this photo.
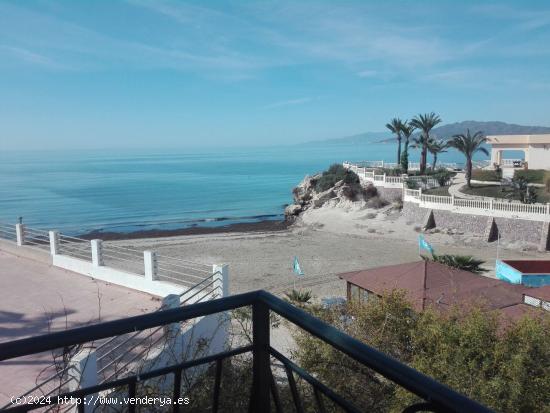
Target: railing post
(150, 263)
(169, 302)
(97, 252)
(82, 370)
(491, 204)
(548, 208)
(221, 275)
(20, 234)
(260, 360)
(384, 177)
(54, 242)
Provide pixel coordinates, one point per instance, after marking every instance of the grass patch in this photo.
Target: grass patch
(533, 176)
(485, 175)
(496, 191)
(442, 191)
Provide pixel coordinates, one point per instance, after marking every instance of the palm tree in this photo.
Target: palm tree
(406, 131)
(425, 123)
(462, 262)
(395, 126)
(435, 147)
(469, 145)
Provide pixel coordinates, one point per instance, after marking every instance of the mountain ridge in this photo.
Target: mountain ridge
(445, 132)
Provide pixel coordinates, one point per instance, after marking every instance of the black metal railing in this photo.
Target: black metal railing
(436, 396)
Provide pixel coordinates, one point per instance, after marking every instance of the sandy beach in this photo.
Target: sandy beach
(327, 241)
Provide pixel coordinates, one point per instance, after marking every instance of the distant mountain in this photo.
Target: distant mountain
(488, 128)
(444, 131)
(367, 137)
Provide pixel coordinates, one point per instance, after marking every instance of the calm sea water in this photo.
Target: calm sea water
(134, 190)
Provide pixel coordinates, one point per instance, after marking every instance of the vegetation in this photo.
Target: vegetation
(443, 176)
(521, 190)
(299, 297)
(505, 368)
(504, 192)
(425, 123)
(405, 160)
(441, 191)
(487, 175)
(333, 174)
(469, 145)
(532, 176)
(435, 147)
(396, 127)
(462, 262)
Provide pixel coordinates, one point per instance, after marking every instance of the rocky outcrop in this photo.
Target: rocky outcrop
(307, 196)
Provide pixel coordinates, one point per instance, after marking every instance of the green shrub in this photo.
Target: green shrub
(486, 175)
(547, 182)
(443, 176)
(533, 176)
(333, 174)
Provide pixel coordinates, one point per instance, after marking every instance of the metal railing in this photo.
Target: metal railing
(437, 397)
(181, 271)
(75, 247)
(123, 258)
(37, 238)
(7, 232)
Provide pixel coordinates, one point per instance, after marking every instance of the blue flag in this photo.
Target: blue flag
(424, 245)
(296, 267)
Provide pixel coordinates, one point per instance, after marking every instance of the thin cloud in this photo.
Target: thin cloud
(290, 102)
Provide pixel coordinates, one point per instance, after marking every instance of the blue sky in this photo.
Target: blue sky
(101, 74)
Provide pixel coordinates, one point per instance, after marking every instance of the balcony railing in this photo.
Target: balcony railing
(437, 397)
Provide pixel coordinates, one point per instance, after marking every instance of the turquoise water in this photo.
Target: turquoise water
(80, 191)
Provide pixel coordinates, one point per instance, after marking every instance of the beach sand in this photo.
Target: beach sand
(327, 241)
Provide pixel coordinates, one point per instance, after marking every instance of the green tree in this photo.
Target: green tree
(406, 131)
(502, 364)
(469, 145)
(425, 123)
(396, 127)
(435, 147)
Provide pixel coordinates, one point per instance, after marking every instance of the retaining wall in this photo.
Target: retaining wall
(509, 229)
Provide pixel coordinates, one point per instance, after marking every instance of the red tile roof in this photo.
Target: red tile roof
(431, 283)
(530, 266)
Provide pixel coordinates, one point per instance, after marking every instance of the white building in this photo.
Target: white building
(535, 147)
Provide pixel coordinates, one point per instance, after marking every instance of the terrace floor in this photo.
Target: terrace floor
(38, 298)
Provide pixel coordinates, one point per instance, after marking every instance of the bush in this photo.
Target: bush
(443, 176)
(371, 191)
(486, 175)
(533, 176)
(335, 173)
(376, 202)
(411, 183)
(547, 182)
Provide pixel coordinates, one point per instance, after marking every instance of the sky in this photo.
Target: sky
(154, 74)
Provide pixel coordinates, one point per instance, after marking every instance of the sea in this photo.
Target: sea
(134, 190)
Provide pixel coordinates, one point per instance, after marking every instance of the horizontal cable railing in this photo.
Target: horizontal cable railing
(127, 354)
(75, 247)
(181, 271)
(123, 258)
(8, 232)
(436, 396)
(37, 238)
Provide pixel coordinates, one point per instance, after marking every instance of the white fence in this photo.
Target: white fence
(490, 207)
(178, 281)
(386, 181)
(413, 166)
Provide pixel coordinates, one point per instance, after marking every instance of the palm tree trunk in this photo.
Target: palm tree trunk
(435, 161)
(398, 150)
(468, 171)
(424, 155)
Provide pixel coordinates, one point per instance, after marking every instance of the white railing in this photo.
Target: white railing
(511, 162)
(487, 207)
(386, 181)
(413, 166)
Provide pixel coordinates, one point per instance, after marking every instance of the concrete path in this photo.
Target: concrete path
(38, 298)
(458, 182)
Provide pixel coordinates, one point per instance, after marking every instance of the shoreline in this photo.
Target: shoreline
(260, 226)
